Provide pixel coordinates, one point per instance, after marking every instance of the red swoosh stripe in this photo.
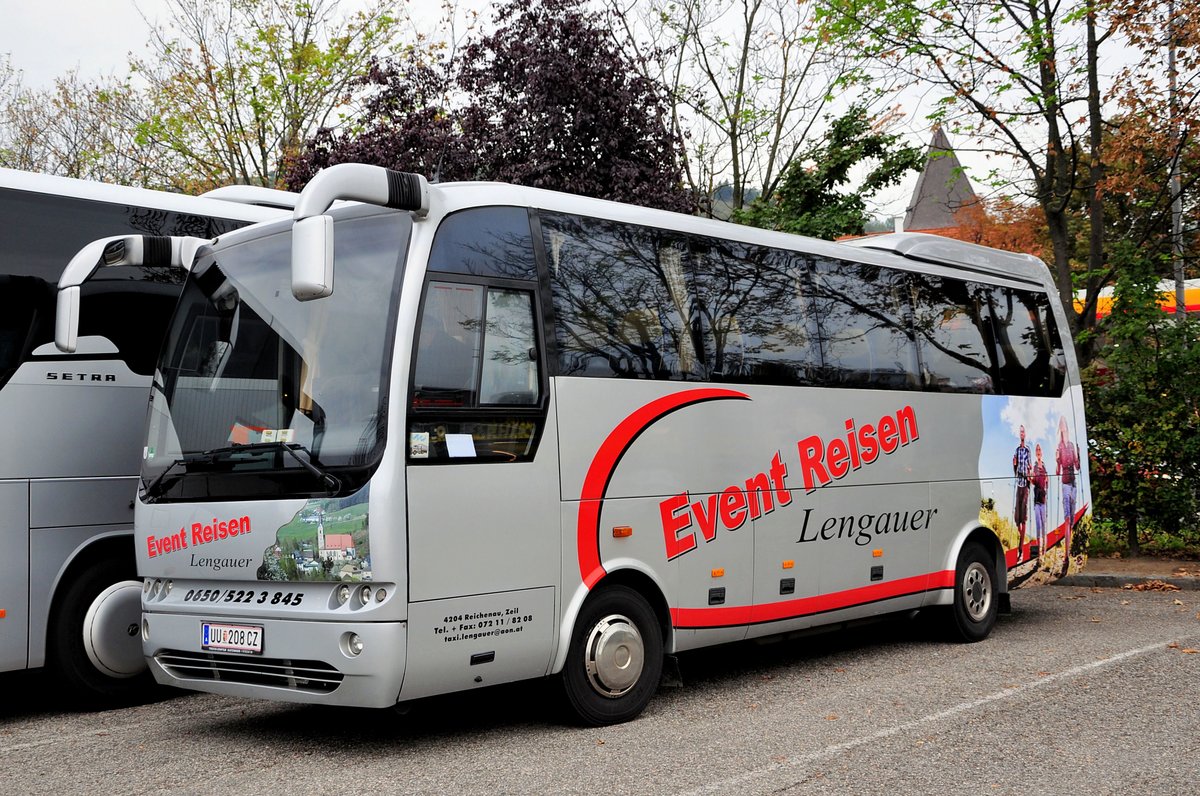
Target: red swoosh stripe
(695, 618)
(604, 463)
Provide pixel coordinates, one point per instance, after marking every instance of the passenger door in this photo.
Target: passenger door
(483, 513)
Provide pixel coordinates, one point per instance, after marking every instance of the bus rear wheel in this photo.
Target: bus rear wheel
(94, 644)
(615, 659)
(975, 600)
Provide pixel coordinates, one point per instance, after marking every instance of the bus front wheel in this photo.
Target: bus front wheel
(95, 645)
(975, 600)
(615, 659)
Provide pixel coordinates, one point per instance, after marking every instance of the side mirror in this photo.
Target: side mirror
(312, 258)
(147, 250)
(312, 230)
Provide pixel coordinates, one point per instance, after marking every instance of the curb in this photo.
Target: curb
(1121, 581)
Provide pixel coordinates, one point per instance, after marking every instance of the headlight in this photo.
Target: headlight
(343, 594)
(364, 595)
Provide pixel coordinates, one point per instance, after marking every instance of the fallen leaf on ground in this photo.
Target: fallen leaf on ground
(1174, 645)
(1153, 585)
(1189, 651)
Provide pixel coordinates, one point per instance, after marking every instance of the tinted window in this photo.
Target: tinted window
(622, 300)
(757, 313)
(952, 322)
(476, 384)
(42, 232)
(1029, 347)
(26, 314)
(129, 306)
(485, 241)
(446, 368)
(863, 322)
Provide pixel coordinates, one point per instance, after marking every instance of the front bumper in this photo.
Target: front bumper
(302, 660)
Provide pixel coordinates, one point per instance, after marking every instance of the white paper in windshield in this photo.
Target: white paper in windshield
(460, 446)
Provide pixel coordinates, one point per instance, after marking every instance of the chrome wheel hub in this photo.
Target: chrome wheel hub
(976, 591)
(615, 656)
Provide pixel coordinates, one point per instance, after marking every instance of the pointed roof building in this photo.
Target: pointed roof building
(942, 189)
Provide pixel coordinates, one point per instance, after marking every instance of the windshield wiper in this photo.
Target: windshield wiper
(157, 486)
(161, 484)
(332, 483)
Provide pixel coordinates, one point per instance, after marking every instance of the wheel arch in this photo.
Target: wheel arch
(114, 546)
(66, 566)
(630, 576)
(985, 536)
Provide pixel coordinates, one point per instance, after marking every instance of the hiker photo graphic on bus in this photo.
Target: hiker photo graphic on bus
(1031, 481)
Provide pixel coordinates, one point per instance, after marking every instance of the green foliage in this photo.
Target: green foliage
(1143, 409)
(812, 200)
(236, 85)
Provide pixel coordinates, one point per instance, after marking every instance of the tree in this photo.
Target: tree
(77, 128)
(749, 82)
(811, 199)
(1144, 408)
(555, 104)
(405, 125)
(1019, 77)
(545, 99)
(1003, 223)
(237, 85)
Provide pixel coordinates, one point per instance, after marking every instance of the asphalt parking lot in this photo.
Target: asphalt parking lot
(1079, 689)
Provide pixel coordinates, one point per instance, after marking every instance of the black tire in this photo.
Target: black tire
(85, 685)
(603, 680)
(975, 600)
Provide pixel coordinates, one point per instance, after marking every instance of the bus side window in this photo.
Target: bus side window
(621, 300)
(954, 334)
(444, 374)
(509, 350)
(757, 322)
(476, 380)
(865, 330)
(26, 303)
(1031, 357)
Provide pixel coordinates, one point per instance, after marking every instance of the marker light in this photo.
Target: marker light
(364, 595)
(622, 531)
(719, 572)
(789, 564)
(379, 595)
(343, 594)
(876, 554)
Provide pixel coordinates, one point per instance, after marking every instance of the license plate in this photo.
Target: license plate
(232, 638)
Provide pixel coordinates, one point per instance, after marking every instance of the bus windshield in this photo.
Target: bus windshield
(260, 395)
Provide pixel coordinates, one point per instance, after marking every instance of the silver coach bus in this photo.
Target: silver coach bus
(525, 434)
(71, 426)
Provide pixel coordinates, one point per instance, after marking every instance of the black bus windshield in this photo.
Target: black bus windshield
(245, 364)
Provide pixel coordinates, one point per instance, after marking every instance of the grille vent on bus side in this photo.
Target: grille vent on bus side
(295, 675)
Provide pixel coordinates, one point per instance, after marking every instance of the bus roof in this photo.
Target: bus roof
(144, 197)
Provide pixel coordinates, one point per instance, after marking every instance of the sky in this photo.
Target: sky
(50, 37)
